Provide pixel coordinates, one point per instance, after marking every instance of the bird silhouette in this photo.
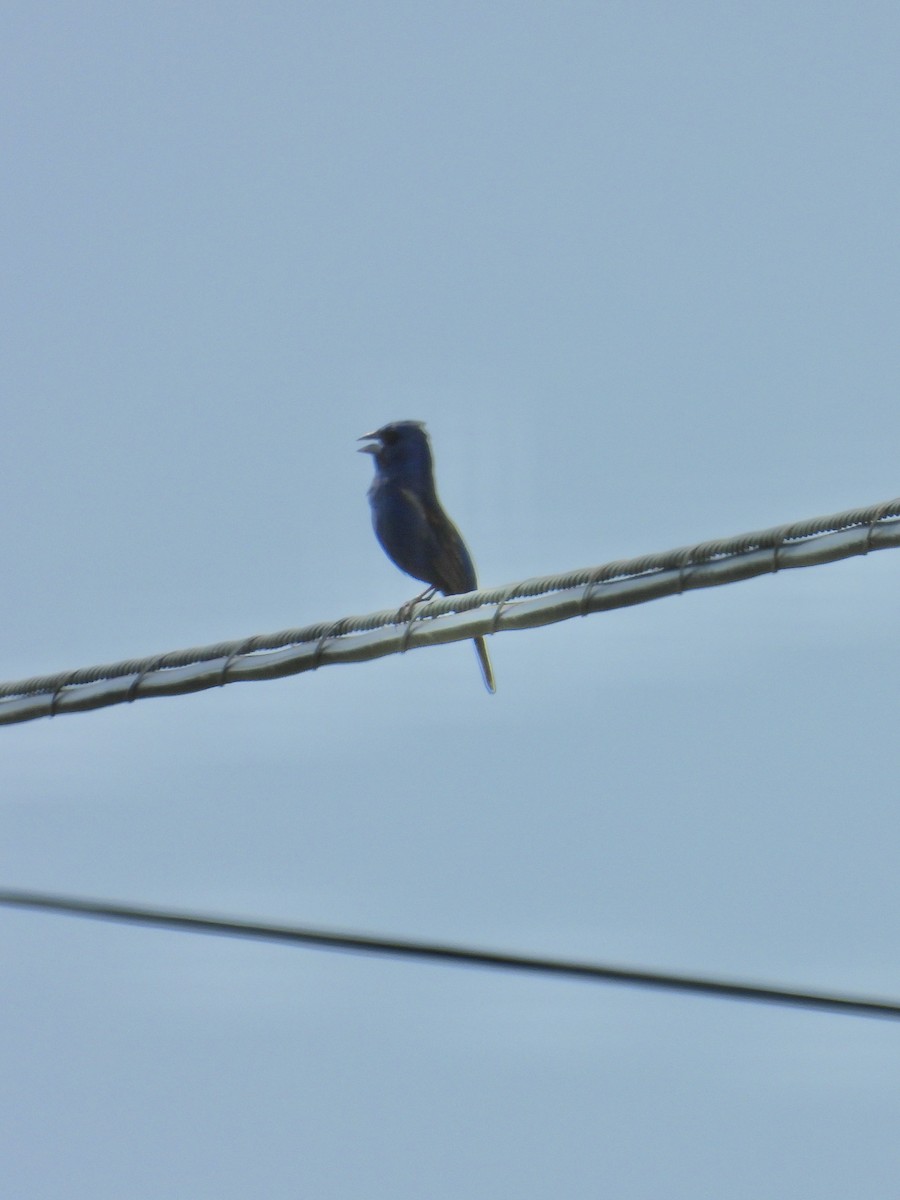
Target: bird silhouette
(412, 527)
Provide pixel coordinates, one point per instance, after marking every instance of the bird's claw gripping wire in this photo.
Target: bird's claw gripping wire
(405, 611)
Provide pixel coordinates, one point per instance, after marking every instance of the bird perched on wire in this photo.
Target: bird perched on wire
(413, 529)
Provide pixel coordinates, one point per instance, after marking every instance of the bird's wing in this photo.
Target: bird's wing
(452, 568)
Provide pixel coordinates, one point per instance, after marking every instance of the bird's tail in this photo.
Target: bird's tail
(484, 660)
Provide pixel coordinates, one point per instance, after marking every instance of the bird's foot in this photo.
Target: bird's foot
(406, 610)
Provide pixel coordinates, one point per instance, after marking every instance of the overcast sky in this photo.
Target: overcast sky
(637, 267)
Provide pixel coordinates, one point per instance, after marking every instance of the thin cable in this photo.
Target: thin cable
(523, 605)
(455, 955)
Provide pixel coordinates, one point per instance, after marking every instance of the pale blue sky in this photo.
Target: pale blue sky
(636, 265)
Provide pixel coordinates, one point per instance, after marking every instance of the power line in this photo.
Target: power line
(523, 605)
(453, 955)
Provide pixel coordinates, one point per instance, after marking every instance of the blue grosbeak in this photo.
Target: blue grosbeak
(413, 529)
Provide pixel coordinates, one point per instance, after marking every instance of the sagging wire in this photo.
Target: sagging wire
(425, 951)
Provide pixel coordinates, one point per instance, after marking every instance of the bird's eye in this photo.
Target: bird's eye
(389, 437)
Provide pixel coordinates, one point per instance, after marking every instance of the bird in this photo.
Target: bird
(412, 527)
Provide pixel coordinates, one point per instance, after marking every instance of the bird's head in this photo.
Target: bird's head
(399, 448)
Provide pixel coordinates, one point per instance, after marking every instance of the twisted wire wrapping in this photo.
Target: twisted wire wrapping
(679, 559)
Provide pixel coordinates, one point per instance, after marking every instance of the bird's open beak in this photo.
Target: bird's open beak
(374, 438)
